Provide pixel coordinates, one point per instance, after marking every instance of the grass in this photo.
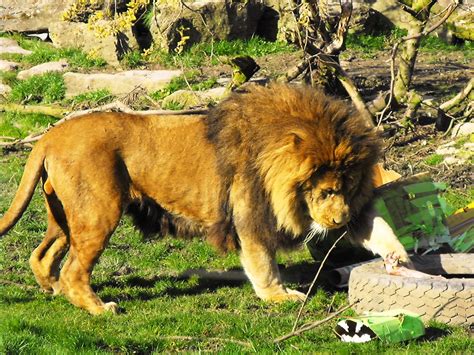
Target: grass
(19, 125)
(8, 77)
(434, 159)
(46, 88)
(173, 105)
(45, 52)
(190, 80)
(369, 45)
(132, 60)
(200, 53)
(92, 98)
(163, 312)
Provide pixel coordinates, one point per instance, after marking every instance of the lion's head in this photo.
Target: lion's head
(307, 158)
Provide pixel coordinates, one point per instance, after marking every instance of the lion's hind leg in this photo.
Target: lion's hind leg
(46, 258)
(89, 234)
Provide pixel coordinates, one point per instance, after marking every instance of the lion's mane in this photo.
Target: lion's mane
(253, 130)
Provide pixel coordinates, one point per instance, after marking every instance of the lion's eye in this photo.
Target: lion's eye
(327, 192)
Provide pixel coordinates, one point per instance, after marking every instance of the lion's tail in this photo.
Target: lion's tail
(31, 175)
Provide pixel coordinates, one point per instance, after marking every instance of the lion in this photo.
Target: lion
(263, 170)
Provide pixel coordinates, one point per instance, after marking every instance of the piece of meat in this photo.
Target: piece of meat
(393, 267)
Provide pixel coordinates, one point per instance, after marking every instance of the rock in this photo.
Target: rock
(118, 83)
(446, 150)
(453, 154)
(204, 20)
(188, 98)
(6, 65)
(78, 35)
(8, 45)
(469, 146)
(392, 10)
(452, 160)
(283, 22)
(30, 15)
(461, 24)
(58, 66)
(4, 89)
(463, 129)
(369, 21)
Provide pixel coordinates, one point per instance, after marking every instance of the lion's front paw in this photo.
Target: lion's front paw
(111, 307)
(284, 295)
(394, 260)
(296, 295)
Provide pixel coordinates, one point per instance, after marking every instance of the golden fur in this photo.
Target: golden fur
(263, 170)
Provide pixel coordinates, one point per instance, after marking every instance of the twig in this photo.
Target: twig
(294, 72)
(312, 325)
(446, 106)
(333, 299)
(191, 338)
(314, 280)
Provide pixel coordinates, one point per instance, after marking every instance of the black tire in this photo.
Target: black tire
(450, 300)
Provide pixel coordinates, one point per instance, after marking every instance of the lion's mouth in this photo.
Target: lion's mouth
(316, 230)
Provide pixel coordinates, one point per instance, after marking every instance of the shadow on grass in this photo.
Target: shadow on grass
(301, 274)
(7, 300)
(432, 334)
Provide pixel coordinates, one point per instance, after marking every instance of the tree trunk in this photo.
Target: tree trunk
(420, 11)
(407, 63)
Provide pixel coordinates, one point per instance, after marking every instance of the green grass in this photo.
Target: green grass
(46, 88)
(132, 60)
(195, 81)
(45, 52)
(173, 105)
(8, 77)
(201, 53)
(368, 45)
(163, 312)
(434, 159)
(19, 125)
(92, 98)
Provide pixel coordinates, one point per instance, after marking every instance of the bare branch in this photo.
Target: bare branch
(350, 87)
(312, 325)
(459, 97)
(294, 72)
(346, 11)
(314, 280)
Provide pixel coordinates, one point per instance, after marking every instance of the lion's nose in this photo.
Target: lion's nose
(343, 218)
